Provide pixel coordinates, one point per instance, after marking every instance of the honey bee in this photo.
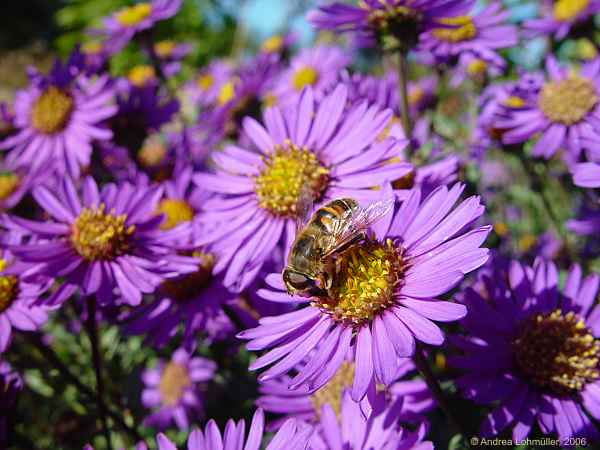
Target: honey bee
(332, 229)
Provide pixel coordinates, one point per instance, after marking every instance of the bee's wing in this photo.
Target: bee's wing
(304, 207)
(356, 221)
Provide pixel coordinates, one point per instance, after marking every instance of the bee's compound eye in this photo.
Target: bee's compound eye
(296, 279)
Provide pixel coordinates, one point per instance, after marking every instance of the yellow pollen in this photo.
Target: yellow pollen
(153, 151)
(205, 81)
(331, 393)
(514, 102)
(476, 67)
(9, 182)
(173, 382)
(187, 287)
(96, 235)
(176, 211)
(569, 100)
(164, 49)
(272, 44)
(288, 169)
(141, 75)
(133, 15)
(51, 110)
(3, 264)
(366, 279)
(304, 77)
(9, 288)
(557, 352)
(461, 28)
(405, 182)
(226, 93)
(91, 48)
(565, 10)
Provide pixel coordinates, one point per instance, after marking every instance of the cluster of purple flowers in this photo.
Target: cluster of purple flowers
(171, 217)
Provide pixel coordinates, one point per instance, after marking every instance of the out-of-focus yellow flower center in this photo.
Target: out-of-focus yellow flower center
(476, 67)
(557, 352)
(176, 211)
(153, 152)
(304, 77)
(415, 95)
(226, 93)
(9, 288)
(91, 48)
(501, 229)
(569, 100)
(187, 287)
(141, 75)
(272, 44)
(164, 49)
(173, 382)
(51, 110)
(586, 49)
(9, 182)
(460, 28)
(526, 242)
(366, 279)
(569, 9)
(205, 81)
(331, 393)
(269, 99)
(288, 169)
(514, 102)
(133, 15)
(96, 235)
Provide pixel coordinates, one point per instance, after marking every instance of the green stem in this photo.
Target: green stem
(92, 327)
(403, 85)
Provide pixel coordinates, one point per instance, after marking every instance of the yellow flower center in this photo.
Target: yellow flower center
(586, 49)
(272, 44)
(153, 152)
(226, 93)
(141, 75)
(364, 285)
(187, 287)
(415, 95)
(9, 288)
(331, 393)
(526, 242)
(514, 102)
(91, 48)
(569, 100)
(133, 15)
(173, 381)
(205, 81)
(164, 49)
(176, 211)
(501, 229)
(288, 169)
(9, 182)
(460, 28)
(304, 77)
(569, 9)
(96, 235)
(476, 67)
(557, 352)
(51, 111)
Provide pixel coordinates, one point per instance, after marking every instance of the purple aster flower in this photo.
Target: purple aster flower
(103, 240)
(16, 182)
(477, 67)
(481, 32)
(409, 399)
(172, 389)
(560, 15)
(20, 297)
(351, 428)
(289, 437)
(531, 350)
(417, 254)
(374, 20)
(587, 175)
(122, 25)
(208, 86)
(95, 56)
(57, 118)
(335, 154)
(170, 53)
(318, 67)
(565, 112)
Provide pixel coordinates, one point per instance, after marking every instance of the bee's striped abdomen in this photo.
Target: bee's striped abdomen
(327, 215)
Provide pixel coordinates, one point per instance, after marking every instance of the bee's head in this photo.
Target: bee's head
(298, 283)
